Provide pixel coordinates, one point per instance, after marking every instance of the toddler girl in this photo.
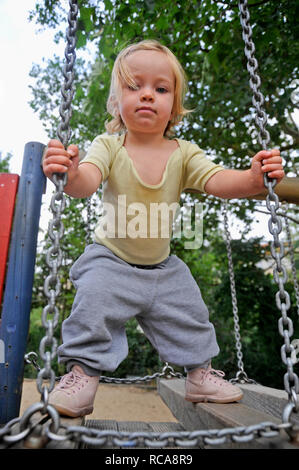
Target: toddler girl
(128, 270)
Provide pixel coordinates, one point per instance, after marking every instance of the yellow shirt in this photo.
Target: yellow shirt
(137, 218)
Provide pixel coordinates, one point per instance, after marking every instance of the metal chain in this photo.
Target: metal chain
(54, 254)
(91, 436)
(241, 376)
(167, 372)
(254, 80)
(285, 324)
(183, 439)
(67, 90)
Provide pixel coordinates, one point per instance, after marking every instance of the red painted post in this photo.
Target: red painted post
(8, 190)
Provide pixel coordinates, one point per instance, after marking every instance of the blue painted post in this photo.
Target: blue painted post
(19, 281)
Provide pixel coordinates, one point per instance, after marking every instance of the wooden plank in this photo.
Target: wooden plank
(266, 399)
(8, 190)
(196, 416)
(102, 424)
(165, 427)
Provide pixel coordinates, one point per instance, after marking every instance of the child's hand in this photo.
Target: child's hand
(59, 160)
(266, 161)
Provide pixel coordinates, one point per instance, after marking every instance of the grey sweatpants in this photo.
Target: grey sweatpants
(166, 302)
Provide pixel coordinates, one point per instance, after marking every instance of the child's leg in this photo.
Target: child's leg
(109, 292)
(107, 295)
(177, 322)
(178, 326)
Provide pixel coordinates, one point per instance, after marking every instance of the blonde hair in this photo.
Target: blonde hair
(121, 74)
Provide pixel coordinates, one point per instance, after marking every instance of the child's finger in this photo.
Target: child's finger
(275, 152)
(278, 174)
(272, 167)
(58, 160)
(55, 143)
(55, 168)
(272, 161)
(266, 154)
(56, 151)
(73, 150)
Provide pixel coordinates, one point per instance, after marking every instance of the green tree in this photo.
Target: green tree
(4, 163)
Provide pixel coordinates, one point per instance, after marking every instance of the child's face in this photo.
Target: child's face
(148, 109)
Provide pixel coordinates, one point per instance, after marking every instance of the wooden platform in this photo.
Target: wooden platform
(36, 441)
(260, 404)
(268, 400)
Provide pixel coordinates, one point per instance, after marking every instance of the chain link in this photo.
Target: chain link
(254, 80)
(82, 435)
(285, 325)
(241, 376)
(182, 439)
(54, 256)
(167, 372)
(67, 90)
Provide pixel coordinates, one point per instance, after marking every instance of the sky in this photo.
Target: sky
(20, 46)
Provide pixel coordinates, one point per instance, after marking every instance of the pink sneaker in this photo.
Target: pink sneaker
(207, 385)
(74, 395)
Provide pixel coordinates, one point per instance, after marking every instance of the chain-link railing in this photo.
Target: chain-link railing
(50, 314)
(241, 376)
(80, 435)
(275, 226)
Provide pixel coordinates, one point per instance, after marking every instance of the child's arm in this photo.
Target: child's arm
(237, 184)
(82, 181)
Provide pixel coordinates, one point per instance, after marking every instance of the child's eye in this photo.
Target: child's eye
(133, 88)
(161, 89)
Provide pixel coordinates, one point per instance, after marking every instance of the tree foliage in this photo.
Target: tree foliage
(206, 37)
(4, 163)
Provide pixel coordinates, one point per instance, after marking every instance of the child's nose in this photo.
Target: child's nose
(147, 95)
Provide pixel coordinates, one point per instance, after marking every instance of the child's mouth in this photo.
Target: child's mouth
(146, 109)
